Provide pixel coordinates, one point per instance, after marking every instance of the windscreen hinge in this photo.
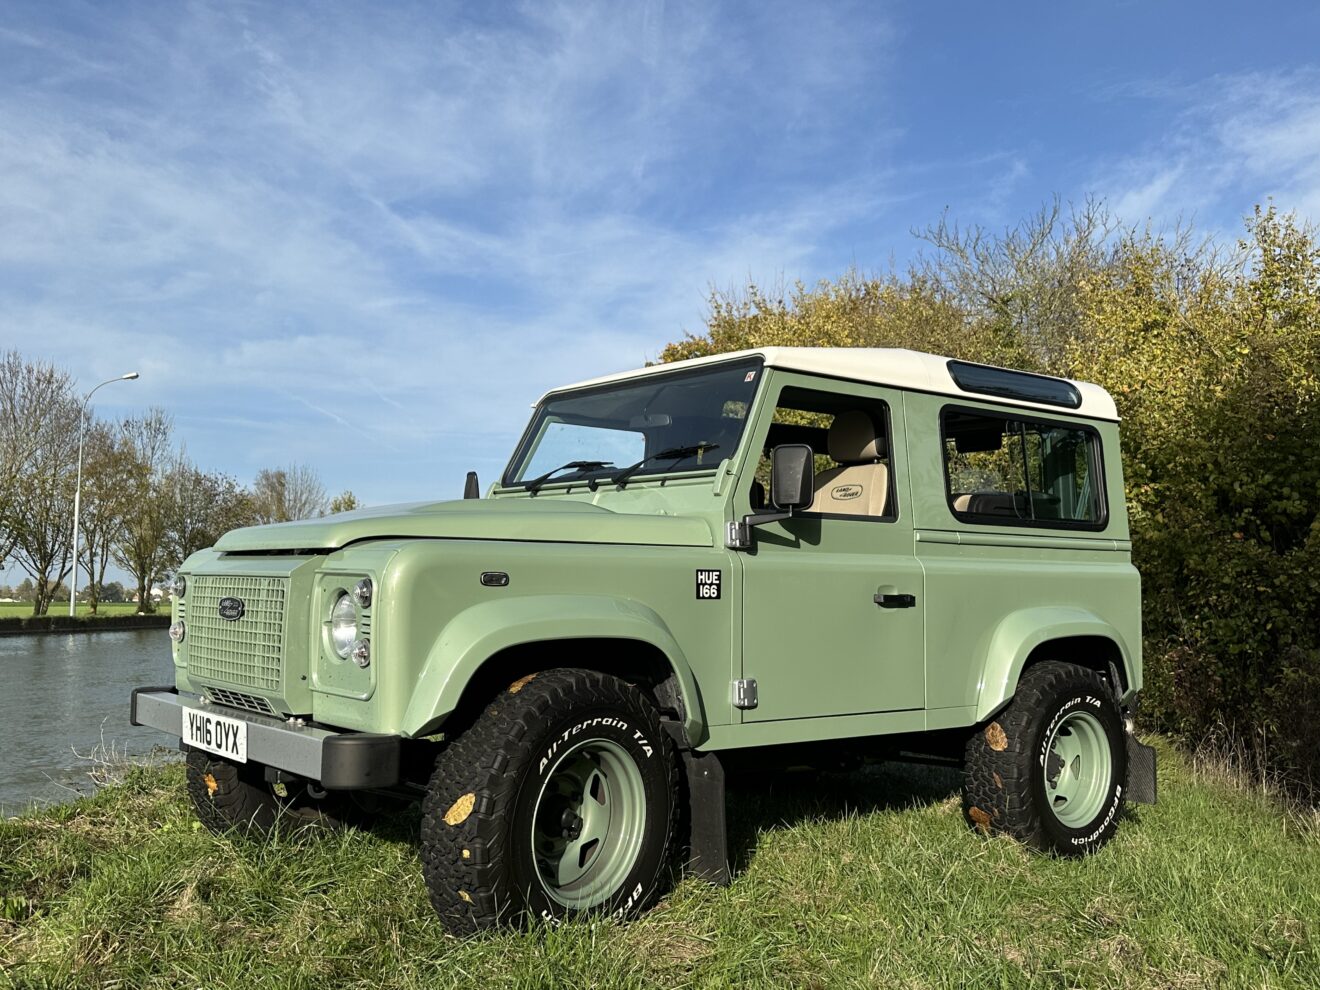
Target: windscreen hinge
(737, 535)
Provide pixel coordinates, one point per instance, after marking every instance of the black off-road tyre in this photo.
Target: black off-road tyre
(477, 819)
(235, 797)
(1006, 781)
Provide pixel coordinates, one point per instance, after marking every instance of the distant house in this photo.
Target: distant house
(156, 595)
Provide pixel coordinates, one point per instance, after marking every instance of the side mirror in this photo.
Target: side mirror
(792, 476)
(792, 486)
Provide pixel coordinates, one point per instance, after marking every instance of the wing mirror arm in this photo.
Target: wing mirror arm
(792, 487)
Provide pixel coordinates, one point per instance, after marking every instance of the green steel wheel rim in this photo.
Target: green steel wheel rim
(588, 823)
(1079, 769)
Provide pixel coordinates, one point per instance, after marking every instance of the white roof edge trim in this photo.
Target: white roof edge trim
(894, 367)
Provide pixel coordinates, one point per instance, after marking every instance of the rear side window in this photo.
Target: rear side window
(1017, 471)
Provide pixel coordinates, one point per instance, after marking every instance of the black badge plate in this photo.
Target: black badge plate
(708, 584)
(231, 609)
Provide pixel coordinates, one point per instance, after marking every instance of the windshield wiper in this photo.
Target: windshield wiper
(535, 484)
(673, 453)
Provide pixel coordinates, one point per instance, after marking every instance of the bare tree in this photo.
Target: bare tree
(198, 509)
(1022, 285)
(107, 493)
(284, 494)
(141, 546)
(34, 399)
(36, 513)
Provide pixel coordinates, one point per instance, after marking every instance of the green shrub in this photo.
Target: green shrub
(1213, 358)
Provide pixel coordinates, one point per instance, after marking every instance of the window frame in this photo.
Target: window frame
(1098, 465)
(892, 502)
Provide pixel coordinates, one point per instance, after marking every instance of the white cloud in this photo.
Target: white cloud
(399, 225)
(1232, 142)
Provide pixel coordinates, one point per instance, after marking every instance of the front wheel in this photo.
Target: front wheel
(1050, 769)
(559, 800)
(235, 797)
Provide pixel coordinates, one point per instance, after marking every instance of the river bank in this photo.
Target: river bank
(33, 625)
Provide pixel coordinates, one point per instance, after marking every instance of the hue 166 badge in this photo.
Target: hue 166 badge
(708, 584)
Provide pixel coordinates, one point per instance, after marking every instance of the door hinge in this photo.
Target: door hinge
(737, 535)
(744, 693)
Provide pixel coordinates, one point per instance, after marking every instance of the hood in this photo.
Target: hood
(525, 519)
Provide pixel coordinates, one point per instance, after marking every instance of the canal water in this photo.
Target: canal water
(64, 698)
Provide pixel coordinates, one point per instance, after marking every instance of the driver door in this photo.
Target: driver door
(833, 600)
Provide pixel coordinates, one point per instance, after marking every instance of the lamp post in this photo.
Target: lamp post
(77, 491)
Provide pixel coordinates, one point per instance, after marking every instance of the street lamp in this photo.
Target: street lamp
(77, 491)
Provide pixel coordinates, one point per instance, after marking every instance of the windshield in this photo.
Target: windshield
(685, 421)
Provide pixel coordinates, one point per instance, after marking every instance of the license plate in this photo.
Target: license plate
(215, 734)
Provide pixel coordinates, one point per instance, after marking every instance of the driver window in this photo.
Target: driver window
(849, 436)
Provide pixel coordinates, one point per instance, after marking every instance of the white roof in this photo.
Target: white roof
(892, 366)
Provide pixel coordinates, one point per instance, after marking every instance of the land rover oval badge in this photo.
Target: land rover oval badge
(231, 608)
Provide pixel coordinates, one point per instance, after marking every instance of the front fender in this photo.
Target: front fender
(479, 632)
(1021, 632)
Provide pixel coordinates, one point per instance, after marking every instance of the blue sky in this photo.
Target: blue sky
(366, 237)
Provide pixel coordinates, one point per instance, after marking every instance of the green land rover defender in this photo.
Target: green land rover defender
(780, 557)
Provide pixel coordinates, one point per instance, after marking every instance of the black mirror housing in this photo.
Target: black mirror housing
(792, 476)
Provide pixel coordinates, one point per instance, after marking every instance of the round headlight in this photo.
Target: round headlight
(343, 625)
(180, 586)
(177, 631)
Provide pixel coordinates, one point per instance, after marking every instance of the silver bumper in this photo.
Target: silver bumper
(338, 760)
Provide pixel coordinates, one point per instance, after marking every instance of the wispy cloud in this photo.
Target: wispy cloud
(1230, 142)
(406, 222)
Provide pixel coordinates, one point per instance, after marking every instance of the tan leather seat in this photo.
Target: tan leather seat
(860, 485)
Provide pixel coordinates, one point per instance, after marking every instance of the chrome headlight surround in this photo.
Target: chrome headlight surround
(179, 586)
(343, 625)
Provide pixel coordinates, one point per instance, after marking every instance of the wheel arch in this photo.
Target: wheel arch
(488, 647)
(1074, 635)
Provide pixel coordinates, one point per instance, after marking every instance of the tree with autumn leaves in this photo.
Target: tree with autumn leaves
(1212, 354)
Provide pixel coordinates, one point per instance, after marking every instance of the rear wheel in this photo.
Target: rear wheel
(235, 797)
(1051, 768)
(558, 800)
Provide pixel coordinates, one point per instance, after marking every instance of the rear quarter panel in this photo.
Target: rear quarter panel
(995, 592)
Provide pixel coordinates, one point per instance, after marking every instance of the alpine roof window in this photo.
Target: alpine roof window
(1021, 385)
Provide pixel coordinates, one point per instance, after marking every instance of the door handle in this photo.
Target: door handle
(896, 601)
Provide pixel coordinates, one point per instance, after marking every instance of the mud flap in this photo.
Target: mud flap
(1141, 772)
(708, 839)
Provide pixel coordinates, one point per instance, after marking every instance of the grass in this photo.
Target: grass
(62, 608)
(869, 880)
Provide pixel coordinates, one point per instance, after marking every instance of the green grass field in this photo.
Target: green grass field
(62, 608)
(868, 880)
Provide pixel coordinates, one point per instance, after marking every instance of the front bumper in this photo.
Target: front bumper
(340, 761)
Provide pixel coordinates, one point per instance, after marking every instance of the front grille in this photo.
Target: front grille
(247, 652)
(237, 699)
